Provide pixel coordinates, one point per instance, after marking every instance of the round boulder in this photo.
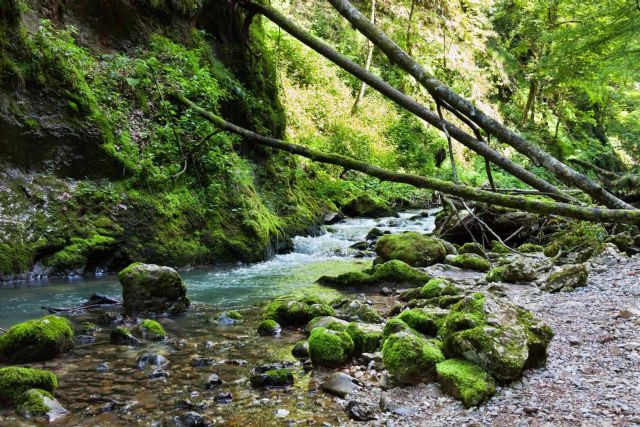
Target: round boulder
(153, 288)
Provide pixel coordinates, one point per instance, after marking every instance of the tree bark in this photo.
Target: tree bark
(627, 216)
(367, 65)
(598, 170)
(403, 100)
(439, 90)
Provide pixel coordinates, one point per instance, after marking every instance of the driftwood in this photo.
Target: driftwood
(441, 92)
(94, 301)
(628, 216)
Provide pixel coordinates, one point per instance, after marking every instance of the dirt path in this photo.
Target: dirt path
(592, 376)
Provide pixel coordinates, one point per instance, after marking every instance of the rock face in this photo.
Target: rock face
(567, 277)
(36, 340)
(497, 335)
(465, 381)
(409, 357)
(417, 250)
(153, 288)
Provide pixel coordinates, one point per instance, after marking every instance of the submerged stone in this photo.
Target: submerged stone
(153, 288)
(465, 381)
(123, 335)
(36, 340)
(301, 350)
(410, 358)
(417, 250)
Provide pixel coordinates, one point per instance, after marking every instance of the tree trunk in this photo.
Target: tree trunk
(627, 216)
(439, 90)
(367, 65)
(403, 100)
(530, 100)
(408, 38)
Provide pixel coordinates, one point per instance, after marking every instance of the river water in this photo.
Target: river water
(126, 395)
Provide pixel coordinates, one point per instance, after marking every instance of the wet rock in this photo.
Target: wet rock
(123, 336)
(228, 318)
(223, 397)
(152, 360)
(191, 419)
(566, 277)
(85, 339)
(288, 313)
(88, 328)
(360, 246)
(100, 299)
(103, 367)
(198, 361)
(465, 381)
(36, 340)
(332, 218)
(339, 384)
(368, 206)
(272, 378)
(417, 250)
(14, 381)
(301, 350)
(214, 381)
(386, 291)
(269, 327)
(319, 310)
(152, 330)
(361, 411)
(39, 403)
(158, 374)
(153, 288)
(374, 234)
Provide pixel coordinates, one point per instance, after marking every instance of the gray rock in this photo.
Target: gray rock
(153, 288)
(152, 360)
(339, 384)
(361, 411)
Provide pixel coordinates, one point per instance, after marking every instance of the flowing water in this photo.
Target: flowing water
(126, 395)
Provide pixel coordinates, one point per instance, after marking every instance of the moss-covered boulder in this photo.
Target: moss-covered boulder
(567, 277)
(492, 333)
(624, 241)
(317, 310)
(36, 340)
(328, 322)
(394, 272)
(465, 381)
(426, 320)
(472, 248)
(516, 271)
(499, 248)
(437, 288)
(470, 262)
(288, 313)
(152, 330)
(15, 381)
(153, 288)
(269, 327)
(122, 335)
(530, 248)
(272, 378)
(360, 312)
(410, 358)
(330, 348)
(368, 206)
(36, 403)
(417, 250)
(552, 249)
(366, 337)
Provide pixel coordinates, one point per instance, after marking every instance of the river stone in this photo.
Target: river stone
(360, 311)
(14, 381)
(39, 403)
(36, 340)
(361, 411)
(213, 381)
(329, 348)
(323, 322)
(191, 419)
(518, 270)
(417, 250)
(301, 350)
(152, 360)
(272, 378)
(153, 288)
(567, 277)
(339, 384)
(465, 381)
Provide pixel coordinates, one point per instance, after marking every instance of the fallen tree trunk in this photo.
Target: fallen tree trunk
(627, 216)
(403, 100)
(442, 92)
(598, 170)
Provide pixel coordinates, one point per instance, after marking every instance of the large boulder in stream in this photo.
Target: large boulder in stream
(415, 249)
(36, 340)
(153, 288)
(368, 206)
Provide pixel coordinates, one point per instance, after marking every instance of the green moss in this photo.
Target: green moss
(75, 254)
(438, 287)
(471, 262)
(152, 330)
(409, 358)
(330, 348)
(393, 326)
(268, 327)
(539, 335)
(288, 312)
(88, 328)
(465, 314)
(36, 340)
(465, 381)
(415, 249)
(499, 248)
(280, 377)
(365, 340)
(317, 310)
(496, 274)
(31, 403)
(121, 335)
(394, 272)
(368, 206)
(529, 248)
(425, 321)
(15, 381)
(472, 248)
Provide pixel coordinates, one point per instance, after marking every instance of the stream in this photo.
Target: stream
(101, 384)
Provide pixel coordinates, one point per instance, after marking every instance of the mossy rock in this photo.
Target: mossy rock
(368, 206)
(273, 378)
(14, 381)
(424, 320)
(393, 326)
(444, 301)
(530, 248)
(472, 248)
(410, 358)
(493, 333)
(329, 322)
(499, 248)
(516, 271)
(122, 335)
(552, 249)
(330, 348)
(152, 330)
(470, 262)
(362, 312)
(153, 288)
(417, 250)
(624, 241)
(394, 272)
(36, 340)
(39, 403)
(269, 327)
(496, 274)
(288, 313)
(88, 328)
(367, 338)
(437, 288)
(318, 310)
(567, 277)
(465, 381)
